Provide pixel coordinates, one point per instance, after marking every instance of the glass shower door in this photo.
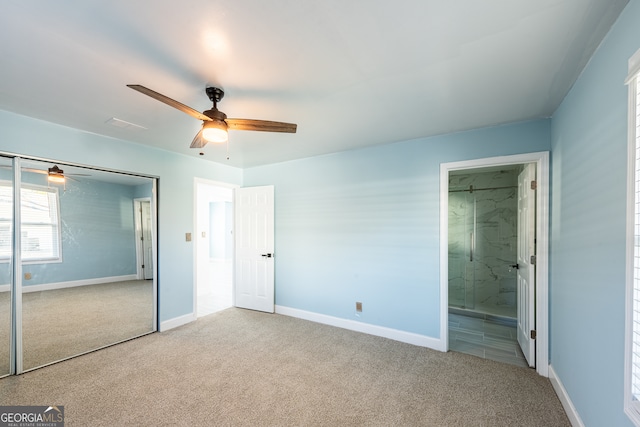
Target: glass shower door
(462, 249)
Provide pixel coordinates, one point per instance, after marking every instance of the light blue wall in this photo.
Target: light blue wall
(363, 225)
(143, 190)
(587, 284)
(97, 228)
(27, 136)
(98, 236)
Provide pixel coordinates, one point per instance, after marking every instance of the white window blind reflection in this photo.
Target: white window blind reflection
(40, 223)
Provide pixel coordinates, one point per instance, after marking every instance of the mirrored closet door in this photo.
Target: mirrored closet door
(85, 278)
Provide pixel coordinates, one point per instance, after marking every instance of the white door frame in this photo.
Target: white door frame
(194, 239)
(137, 204)
(541, 159)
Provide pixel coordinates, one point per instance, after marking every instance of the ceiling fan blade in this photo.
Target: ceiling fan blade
(24, 169)
(198, 141)
(34, 171)
(261, 125)
(171, 102)
(44, 172)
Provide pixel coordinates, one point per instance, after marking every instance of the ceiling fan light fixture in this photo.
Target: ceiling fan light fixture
(215, 131)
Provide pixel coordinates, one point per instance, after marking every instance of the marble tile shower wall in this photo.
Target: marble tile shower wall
(483, 282)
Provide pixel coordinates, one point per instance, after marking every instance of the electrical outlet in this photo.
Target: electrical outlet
(358, 307)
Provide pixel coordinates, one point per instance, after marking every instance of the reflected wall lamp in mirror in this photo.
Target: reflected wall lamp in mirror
(56, 175)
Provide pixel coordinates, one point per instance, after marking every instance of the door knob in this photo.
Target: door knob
(267, 255)
(512, 266)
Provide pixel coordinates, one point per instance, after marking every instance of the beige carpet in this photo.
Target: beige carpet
(61, 323)
(239, 367)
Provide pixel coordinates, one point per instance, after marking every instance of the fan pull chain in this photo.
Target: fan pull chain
(227, 148)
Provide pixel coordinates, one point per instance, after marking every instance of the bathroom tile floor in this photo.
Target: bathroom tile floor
(488, 339)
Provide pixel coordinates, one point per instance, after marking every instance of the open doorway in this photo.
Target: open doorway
(483, 262)
(488, 257)
(214, 247)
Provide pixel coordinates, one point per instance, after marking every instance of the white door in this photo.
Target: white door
(254, 248)
(147, 242)
(526, 295)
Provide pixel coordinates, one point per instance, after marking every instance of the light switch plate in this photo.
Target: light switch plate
(188, 237)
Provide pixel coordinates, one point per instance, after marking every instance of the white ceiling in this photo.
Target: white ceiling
(349, 73)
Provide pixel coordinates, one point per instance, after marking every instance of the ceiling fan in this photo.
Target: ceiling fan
(55, 174)
(215, 122)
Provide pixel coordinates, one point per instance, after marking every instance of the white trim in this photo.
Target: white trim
(634, 67)
(154, 251)
(352, 325)
(541, 159)
(572, 414)
(444, 255)
(75, 283)
(177, 321)
(137, 221)
(631, 406)
(16, 294)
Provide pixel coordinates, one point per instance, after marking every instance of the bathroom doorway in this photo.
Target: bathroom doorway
(483, 242)
(484, 310)
(483, 208)
(214, 247)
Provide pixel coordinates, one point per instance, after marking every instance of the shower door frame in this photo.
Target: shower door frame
(541, 160)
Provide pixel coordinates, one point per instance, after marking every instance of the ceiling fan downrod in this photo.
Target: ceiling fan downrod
(215, 95)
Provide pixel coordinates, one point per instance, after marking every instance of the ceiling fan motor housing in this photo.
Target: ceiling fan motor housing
(215, 94)
(215, 114)
(217, 119)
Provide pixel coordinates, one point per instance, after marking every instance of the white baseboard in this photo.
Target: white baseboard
(75, 283)
(573, 415)
(177, 321)
(71, 284)
(380, 331)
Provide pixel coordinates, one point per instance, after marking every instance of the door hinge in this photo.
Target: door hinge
(534, 185)
(533, 334)
(533, 260)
